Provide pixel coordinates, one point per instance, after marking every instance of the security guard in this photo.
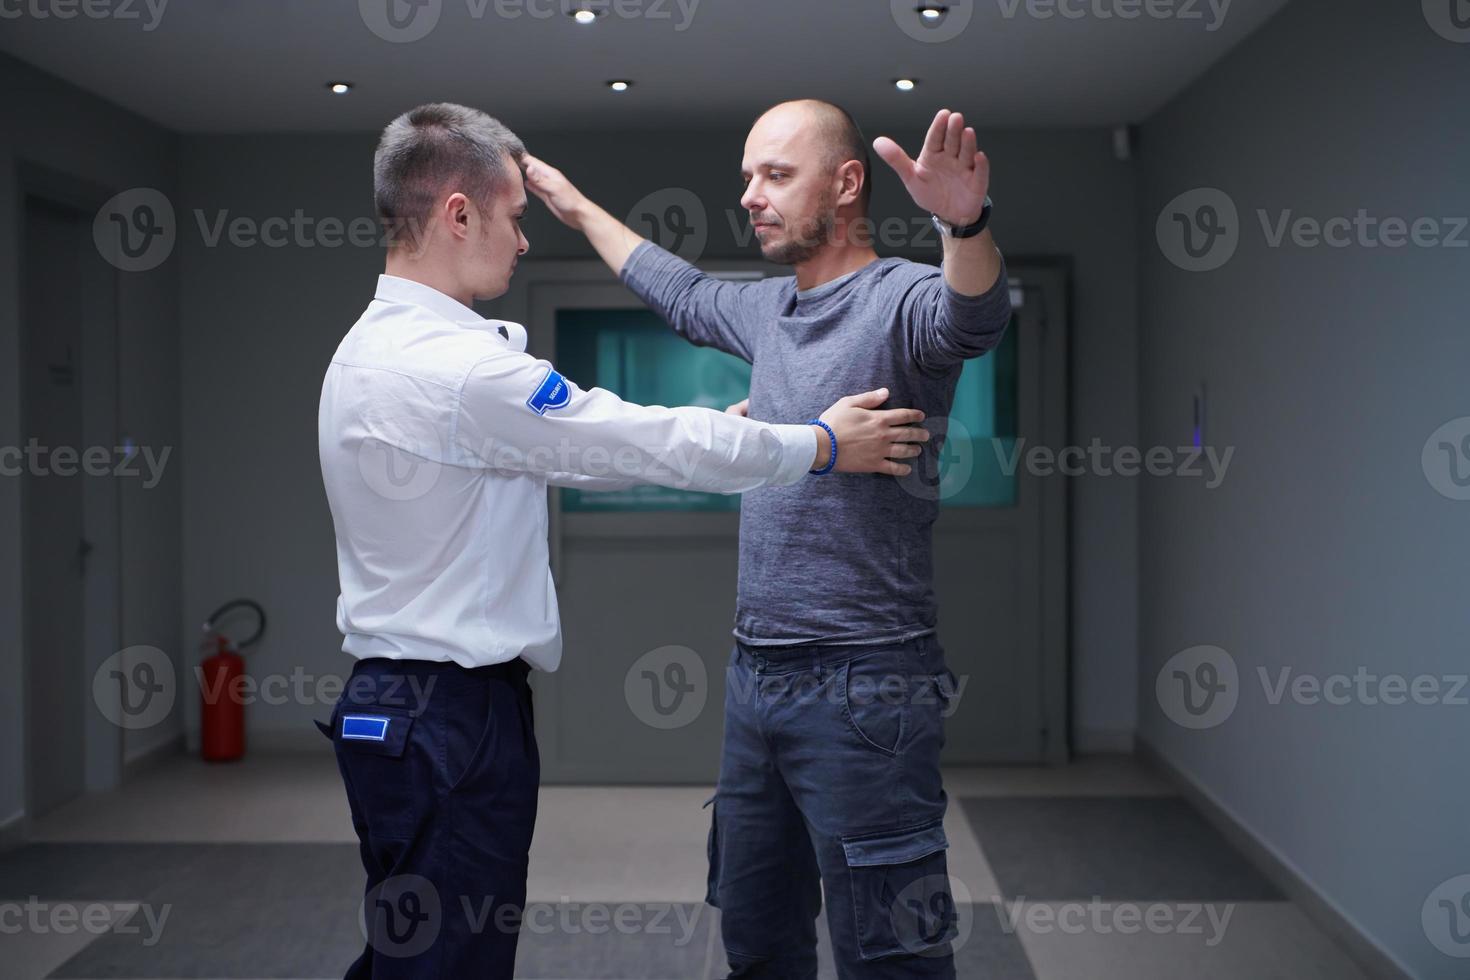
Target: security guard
(438, 436)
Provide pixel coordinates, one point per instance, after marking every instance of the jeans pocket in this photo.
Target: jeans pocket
(900, 891)
(712, 851)
(874, 699)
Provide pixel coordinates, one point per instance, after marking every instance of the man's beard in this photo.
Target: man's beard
(809, 239)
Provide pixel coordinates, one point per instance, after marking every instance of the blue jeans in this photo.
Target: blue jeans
(829, 780)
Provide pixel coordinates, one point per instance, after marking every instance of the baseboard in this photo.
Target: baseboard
(300, 739)
(1101, 741)
(277, 740)
(152, 758)
(14, 831)
(1376, 961)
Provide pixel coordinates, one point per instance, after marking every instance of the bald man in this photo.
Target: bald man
(836, 687)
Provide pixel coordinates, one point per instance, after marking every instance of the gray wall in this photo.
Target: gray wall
(50, 124)
(260, 323)
(1326, 549)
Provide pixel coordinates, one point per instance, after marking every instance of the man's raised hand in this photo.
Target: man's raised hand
(950, 178)
(552, 187)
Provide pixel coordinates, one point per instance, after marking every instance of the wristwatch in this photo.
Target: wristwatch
(963, 231)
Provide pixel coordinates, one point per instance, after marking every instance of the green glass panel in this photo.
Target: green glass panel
(634, 354)
(974, 465)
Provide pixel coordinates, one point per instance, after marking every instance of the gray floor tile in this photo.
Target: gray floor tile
(42, 942)
(1099, 775)
(253, 910)
(989, 951)
(614, 941)
(263, 798)
(1111, 848)
(620, 844)
(1245, 941)
(287, 905)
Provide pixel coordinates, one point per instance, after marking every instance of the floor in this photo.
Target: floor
(1094, 870)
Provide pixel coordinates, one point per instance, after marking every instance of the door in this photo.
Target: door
(1000, 541)
(646, 578)
(54, 547)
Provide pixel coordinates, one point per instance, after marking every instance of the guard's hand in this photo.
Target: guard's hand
(870, 440)
(742, 409)
(552, 187)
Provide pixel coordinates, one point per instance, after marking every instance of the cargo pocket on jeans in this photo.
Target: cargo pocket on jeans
(712, 851)
(900, 891)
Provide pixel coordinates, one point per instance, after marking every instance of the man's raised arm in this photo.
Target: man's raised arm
(950, 180)
(700, 308)
(966, 315)
(612, 239)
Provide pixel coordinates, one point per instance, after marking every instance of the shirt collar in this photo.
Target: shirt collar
(396, 289)
(830, 286)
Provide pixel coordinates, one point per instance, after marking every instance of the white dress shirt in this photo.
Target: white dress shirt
(438, 436)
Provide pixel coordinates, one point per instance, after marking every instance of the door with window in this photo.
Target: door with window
(646, 576)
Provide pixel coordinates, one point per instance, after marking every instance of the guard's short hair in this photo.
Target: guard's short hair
(434, 150)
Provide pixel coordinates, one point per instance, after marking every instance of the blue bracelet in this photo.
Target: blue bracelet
(831, 462)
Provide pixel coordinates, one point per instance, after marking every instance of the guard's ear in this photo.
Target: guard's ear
(457, 213)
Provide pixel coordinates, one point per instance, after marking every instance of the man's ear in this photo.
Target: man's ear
(850, 182)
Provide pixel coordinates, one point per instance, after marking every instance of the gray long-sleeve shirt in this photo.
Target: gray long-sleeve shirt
(844, 558)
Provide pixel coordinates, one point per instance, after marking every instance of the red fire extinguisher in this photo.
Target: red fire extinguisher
(221, 687)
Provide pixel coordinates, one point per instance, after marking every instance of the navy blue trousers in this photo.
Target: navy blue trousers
(441, 771)
(830, 782)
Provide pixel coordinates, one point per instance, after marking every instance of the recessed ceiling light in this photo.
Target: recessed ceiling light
(339, 88)
(585, 15)
(904, 84)
(932, 11)
(619, 85)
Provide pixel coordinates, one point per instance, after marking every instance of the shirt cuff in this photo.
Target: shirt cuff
(634, 257)
(998, 295)
(798, 453)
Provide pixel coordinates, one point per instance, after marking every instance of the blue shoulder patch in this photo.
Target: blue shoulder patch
(553, 392)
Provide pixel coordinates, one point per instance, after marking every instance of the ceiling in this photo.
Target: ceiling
(262, 65)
